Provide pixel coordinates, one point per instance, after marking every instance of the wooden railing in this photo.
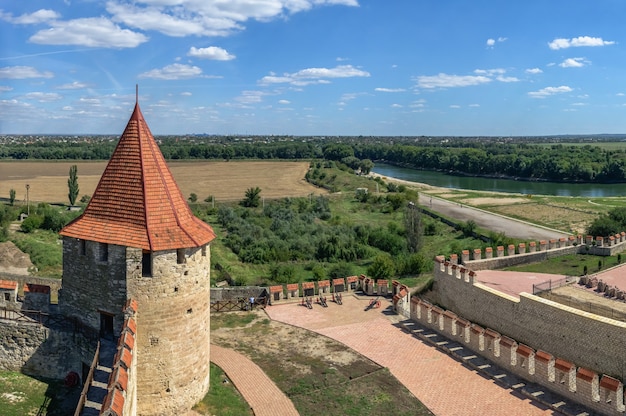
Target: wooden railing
(87, 382)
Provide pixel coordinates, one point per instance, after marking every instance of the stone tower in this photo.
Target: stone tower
(138, 239)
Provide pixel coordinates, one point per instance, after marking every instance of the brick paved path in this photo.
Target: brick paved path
(260, 392)
(444, 385)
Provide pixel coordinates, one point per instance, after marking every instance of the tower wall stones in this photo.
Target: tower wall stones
(94, 282)
(173, 343)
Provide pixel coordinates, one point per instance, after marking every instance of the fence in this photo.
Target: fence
(553, 284)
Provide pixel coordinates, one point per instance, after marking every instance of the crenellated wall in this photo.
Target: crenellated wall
(500, 257)
(600, 392)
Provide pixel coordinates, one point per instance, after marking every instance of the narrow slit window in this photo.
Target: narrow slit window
(146, 264)
(104, 252)
(180, 256)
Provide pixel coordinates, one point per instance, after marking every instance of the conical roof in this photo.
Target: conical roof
(137, 202)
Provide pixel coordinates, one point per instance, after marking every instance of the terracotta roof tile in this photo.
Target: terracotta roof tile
(113, 403)
(562, 365)
(8, 284)
(276, 289)
(586, 374)
(33, 288)
(137, 202)
(610, 383)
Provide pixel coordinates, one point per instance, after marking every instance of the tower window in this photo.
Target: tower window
(146, 264)
(180, 256)
(82, 247)
(204, 250)
(103, 252)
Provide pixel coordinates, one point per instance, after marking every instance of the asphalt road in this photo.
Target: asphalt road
(509, 226)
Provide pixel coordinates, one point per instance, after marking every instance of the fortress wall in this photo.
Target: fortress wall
(599, 392)
(37, 350)
(587, 339)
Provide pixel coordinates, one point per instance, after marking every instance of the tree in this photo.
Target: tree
(193, 197)
(12, 197)
(414, 230)
(382, 267)
(366, 166)
(252, 198)
(72, 184)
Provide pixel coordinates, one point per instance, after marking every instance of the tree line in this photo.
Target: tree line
(505, 158)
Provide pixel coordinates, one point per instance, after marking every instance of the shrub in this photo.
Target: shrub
(31, 223)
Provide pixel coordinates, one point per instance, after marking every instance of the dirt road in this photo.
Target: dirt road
(487, 220)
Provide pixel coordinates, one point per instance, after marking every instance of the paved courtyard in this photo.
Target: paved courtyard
(446, 386)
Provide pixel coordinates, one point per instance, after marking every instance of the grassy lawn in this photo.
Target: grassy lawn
(318, 374)
(570, 265)
(223, 398)
(22, 395)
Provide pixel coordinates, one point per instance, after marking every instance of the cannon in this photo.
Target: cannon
(337, 298)
(374, 303)
(322, 301)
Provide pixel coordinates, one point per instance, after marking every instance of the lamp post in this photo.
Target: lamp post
(27, 200)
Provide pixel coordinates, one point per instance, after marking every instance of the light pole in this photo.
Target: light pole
(27, 200)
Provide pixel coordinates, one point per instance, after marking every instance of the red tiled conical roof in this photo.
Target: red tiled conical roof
(137, 203)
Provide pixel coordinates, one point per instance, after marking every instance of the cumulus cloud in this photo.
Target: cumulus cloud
(314, 75)
(40, 16)
(389, 89)
(212, 52)
(94, 32)
(207, 18)
(563, 43)
(172, 72)
(548, 91)
(284, 102)
(573, 63)
(450, 81)
(534, 71)
(491, 42)
(23, 72)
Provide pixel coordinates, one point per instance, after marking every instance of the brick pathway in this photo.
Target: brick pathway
(444, 385)
(260, 392)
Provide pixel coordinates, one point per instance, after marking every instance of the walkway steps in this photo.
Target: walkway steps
(98, 388)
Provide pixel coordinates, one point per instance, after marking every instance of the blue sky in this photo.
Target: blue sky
(314, 67)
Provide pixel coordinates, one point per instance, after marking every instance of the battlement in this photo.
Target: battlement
(594, 343)
(533, 251)
(597, 391)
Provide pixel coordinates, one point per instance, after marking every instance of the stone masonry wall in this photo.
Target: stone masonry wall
(173, 339)
(92, 285)
(587, 339)
(37, 350)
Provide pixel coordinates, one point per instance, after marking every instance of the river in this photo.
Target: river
(502, 185)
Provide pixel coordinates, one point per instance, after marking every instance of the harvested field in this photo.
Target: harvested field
(477, 202)
(224, 180)
(556, 217)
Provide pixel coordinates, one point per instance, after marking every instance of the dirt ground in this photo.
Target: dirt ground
(587, 300)
(223, 180)
(317, 373)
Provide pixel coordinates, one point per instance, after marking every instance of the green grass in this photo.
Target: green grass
(570, 265)
(223, 398)
(22, 395)
(45, 250)
(231, 320)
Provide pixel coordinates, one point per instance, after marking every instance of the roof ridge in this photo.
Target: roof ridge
(137, 202)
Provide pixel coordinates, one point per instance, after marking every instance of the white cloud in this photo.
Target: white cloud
(186, 94)
(4, 88)
(534, 71)
(396, 105)
(573, 63)
(507, 79)
(284, 102)
(389, 89)
(94, 32)
(455, 106)
(548, 91)
(212, 52)
(40, 16)
(73, 86)
(491, 42)
(562, 43)
(23, 72)
(207, 18)
(314, 75)
(43, 97)
(172, 72)
(250, 97)
(490, 72)
(450, 81)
